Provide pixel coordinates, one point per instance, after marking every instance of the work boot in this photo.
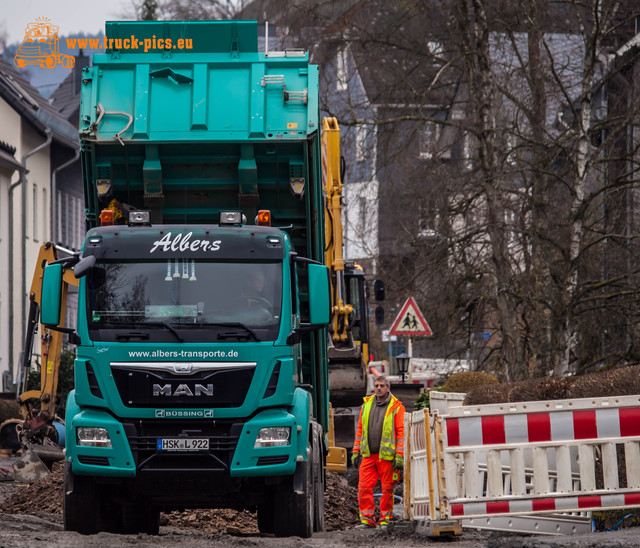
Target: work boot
(366, 525)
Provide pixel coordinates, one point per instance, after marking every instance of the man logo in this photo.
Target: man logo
(183, 390)
(183, 368)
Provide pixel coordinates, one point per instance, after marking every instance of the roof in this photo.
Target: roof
(27, 101)
(66, 98)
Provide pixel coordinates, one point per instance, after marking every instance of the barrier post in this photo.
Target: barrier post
(406, 487)
(427, 434)
(440, 460)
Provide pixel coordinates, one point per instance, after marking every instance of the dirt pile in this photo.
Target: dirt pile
(340, 504)
(45, 496)
(213, 521)
(624, 381)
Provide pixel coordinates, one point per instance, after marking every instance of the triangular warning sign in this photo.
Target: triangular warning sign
(410, 321)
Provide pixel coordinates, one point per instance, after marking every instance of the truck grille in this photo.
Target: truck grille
(223, 438)
(180, 385)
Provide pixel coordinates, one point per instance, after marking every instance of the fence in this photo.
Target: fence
(527, 458)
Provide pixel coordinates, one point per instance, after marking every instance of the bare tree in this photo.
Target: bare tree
(491, 165)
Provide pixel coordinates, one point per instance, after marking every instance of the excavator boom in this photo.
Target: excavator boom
(41, 432)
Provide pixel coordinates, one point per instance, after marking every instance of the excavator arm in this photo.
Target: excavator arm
(43, 400)
(341, 311)
(348, 334)
(41, 431)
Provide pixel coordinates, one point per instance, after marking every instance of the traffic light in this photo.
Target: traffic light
(378, 290)
(379, 313)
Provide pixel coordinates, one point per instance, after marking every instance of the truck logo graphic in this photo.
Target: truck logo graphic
(41, 46)
(182, 390)
(183, 242)
(179, 414)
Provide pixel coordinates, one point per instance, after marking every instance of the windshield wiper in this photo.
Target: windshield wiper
(235, 334)
(168, 326)
(132, 335)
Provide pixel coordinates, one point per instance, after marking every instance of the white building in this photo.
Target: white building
(34, 142)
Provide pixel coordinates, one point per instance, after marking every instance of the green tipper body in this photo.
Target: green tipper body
(186, 133)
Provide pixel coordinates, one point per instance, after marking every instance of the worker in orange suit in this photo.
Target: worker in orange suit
(379, 446)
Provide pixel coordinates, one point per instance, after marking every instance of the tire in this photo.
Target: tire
(266, 518)
(318, 485)
(132, 516)
(295, 511)
(148, 521)
(81, 506)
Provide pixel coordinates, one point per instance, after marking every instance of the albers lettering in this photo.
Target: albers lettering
(183, 390)
(182, 242)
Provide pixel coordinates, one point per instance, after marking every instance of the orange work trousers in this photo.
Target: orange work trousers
(372, 469)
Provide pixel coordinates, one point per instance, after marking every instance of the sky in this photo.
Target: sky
(72, 16)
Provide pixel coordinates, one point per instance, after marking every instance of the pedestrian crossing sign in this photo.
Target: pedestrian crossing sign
(410, 322)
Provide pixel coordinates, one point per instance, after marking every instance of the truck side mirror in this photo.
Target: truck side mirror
(319, 306)
(51, 295)
(84, 266)
(378, 290)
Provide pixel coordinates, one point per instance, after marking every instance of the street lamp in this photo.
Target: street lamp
(403, 360)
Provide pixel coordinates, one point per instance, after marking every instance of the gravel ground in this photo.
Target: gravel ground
(32, 516)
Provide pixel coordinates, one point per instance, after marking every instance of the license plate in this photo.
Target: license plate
(183, 444)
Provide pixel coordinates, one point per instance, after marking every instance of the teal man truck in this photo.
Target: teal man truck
(201, 370)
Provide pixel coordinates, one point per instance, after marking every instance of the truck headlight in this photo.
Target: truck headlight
(93, 437)
(273, 437)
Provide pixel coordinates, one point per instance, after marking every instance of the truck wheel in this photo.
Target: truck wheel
(81, 503)
(147, 521)
(295, 511)
(266, 518)
(132, 516)
(318, 485)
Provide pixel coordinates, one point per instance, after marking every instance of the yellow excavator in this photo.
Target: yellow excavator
(348, 349)
(41, 432)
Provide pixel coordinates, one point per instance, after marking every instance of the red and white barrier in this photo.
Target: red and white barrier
(526, 458)
(537, 457)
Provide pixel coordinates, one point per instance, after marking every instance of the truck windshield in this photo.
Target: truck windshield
(178, 296)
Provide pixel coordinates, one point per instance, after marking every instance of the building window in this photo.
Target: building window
(35, 212)
(429, 137)
(45, 215)
(59, 236)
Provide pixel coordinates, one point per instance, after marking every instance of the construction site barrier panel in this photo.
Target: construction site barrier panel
(420, 471)
(536, 457)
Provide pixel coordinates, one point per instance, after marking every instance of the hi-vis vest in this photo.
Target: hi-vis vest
(389, 445)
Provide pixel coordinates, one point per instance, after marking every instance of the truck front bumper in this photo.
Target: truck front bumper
(232, 446)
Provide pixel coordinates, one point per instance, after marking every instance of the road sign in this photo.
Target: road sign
(388, 338)
(410, 322)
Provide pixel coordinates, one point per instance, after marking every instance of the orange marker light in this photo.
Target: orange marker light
(264, 217)
(106, 217)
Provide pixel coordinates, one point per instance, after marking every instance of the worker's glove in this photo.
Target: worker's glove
(398, 463)
(356, 459)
